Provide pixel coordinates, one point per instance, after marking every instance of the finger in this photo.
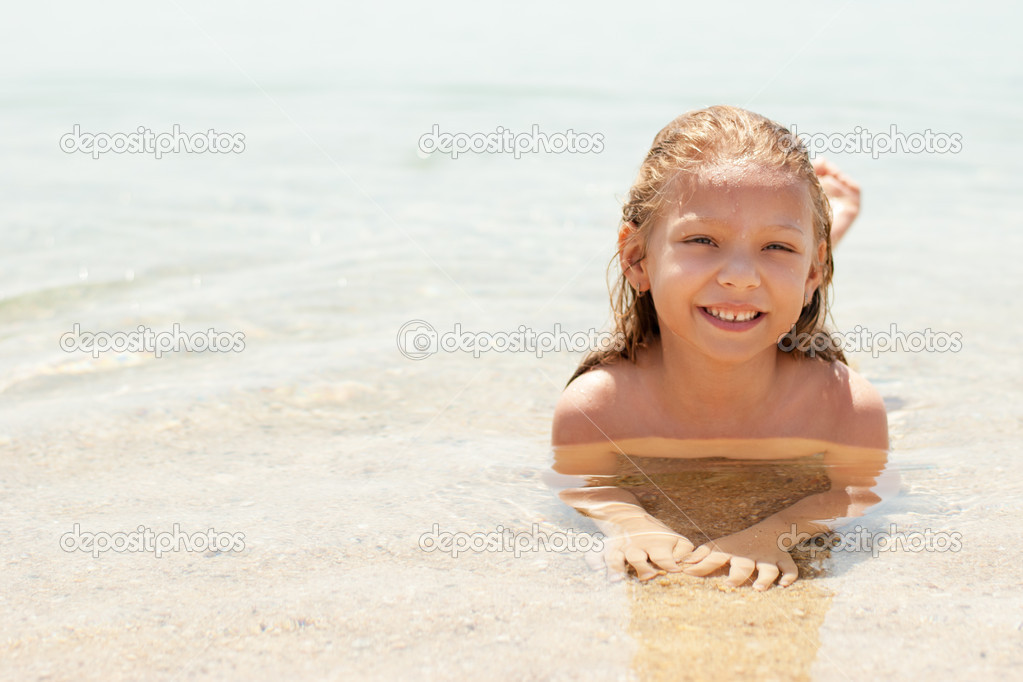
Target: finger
(789, 571)
(742, 569)
(699, 555)
(615, 560)
(663, 558)
(638, 560)
(682, 548)
(712, 563)
(767, 573)
(644, 571)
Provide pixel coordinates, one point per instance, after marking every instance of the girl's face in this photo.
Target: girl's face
(729, 268)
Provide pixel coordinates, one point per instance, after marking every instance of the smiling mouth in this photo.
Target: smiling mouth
(728, 316)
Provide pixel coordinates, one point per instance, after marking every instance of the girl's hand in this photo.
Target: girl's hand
(754, 549)
(844, 195)
(645, 544)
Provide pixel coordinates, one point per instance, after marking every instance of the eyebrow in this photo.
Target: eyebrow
(718, 221)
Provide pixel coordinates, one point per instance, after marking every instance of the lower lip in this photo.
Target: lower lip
(733, 326)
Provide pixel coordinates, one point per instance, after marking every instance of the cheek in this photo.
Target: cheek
(671, 290)
(791, 277)
(681, 267)
(674, 283)
(787, 290)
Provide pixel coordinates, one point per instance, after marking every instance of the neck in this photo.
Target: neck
(718, 396)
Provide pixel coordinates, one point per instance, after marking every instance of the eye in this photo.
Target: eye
(699, 240)
(783, 247)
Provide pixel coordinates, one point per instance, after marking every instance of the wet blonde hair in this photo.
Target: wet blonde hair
(690, 143)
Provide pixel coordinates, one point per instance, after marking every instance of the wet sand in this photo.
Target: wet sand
(332, 585)
(692, 628)
(705, 499)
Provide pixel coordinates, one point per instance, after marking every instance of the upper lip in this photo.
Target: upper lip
(737, 308)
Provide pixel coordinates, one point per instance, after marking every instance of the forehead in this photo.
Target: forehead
(738, 187)
(740, 173)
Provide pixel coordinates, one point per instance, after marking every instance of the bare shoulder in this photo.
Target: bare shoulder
(857, 409)
(588, 409)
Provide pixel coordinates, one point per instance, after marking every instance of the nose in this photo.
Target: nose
(738, 270)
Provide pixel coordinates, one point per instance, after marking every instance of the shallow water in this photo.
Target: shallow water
(333, 453)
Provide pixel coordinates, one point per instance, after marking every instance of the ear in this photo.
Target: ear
(816, 276)
(631, 257)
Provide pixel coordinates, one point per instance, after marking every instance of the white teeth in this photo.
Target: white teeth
(730, 316)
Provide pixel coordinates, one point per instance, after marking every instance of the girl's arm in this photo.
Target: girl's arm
(631, 534)
(764, 548)
(632, 537)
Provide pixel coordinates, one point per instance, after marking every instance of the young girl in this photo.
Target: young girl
(725, 248)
